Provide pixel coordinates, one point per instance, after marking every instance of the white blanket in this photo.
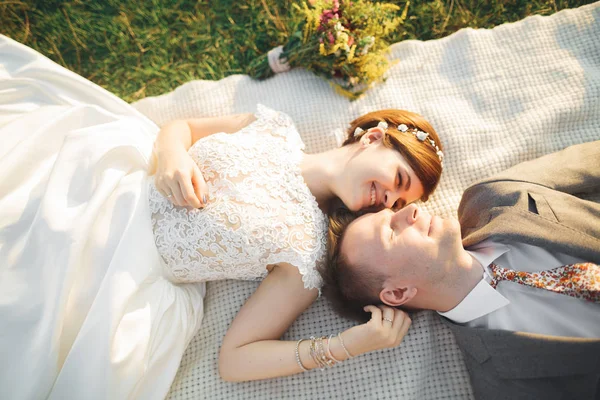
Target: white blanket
(496, 97)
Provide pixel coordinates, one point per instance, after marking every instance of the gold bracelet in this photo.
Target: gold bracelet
(324, 357)
(343, 345)
(302, 367)
(329, 353)
(317, 352)
(313, 352)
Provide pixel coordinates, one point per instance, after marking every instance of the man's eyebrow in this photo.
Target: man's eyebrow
(408, 181)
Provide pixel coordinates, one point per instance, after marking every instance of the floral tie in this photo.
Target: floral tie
(576, 280)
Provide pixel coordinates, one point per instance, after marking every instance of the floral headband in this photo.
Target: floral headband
(420, 135)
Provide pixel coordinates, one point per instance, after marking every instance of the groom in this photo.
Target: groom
(523, 335)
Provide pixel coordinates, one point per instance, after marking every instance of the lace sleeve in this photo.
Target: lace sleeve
(280, 124)
(304, 245)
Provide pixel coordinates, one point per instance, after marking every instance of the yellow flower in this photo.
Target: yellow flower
(351, 53)
(342, 37)
(344, 92)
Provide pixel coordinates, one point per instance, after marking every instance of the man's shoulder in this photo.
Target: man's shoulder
(486, 194)
(479, 198)
(484, 343)
(521, 367)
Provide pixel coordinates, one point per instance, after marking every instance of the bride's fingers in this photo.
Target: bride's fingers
(399, 317)
(402, 325)
(375, 314)
(200, 186)
(188, 194)
(387, 316)
(165, 191)
(160, 189)
(177, 197)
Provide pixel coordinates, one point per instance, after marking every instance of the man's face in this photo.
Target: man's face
(410, 247)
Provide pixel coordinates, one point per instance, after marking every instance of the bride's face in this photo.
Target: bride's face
(378, 177)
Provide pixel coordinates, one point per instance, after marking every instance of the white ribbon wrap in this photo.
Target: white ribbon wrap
(277, 63)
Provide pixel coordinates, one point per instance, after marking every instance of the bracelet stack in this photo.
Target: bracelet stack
(323, 357)
(318, 354)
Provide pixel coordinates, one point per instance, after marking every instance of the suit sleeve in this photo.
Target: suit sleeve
(574, 170)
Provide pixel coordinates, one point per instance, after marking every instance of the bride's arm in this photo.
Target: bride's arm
(252, 350)
(182, 134)
(177, 176)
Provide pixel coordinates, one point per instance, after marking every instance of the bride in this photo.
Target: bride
(106, 241)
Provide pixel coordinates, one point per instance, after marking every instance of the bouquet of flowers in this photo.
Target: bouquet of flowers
(340, 40)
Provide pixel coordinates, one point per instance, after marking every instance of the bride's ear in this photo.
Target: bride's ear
(397, 296)
(373, 135)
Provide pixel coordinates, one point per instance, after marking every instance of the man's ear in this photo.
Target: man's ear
(396, 296)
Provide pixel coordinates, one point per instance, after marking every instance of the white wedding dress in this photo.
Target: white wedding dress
(100, 276)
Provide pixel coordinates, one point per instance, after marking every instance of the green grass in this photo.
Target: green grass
(138, 48)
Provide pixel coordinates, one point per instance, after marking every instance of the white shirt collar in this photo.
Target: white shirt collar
(482, 299)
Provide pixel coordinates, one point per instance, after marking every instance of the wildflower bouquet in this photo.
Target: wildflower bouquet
(340, 40)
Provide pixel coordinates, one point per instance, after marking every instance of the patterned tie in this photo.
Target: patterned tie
(576, 280)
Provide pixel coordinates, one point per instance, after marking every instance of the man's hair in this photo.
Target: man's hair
(349, 288)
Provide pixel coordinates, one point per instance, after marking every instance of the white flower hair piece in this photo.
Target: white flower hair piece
(383, 125)
(422, 136)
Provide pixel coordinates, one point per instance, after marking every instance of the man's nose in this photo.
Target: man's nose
(407, 215)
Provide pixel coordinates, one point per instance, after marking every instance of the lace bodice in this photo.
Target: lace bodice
(260, 211)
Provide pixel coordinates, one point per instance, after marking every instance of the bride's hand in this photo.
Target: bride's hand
(378, 333)
(179, 179)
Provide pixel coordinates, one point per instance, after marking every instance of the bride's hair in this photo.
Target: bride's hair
(350, 289)
(420, 155)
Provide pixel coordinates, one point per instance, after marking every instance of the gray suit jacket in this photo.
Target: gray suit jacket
(535, 202)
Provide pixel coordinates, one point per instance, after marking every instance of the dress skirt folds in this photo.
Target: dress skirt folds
(85, 310)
